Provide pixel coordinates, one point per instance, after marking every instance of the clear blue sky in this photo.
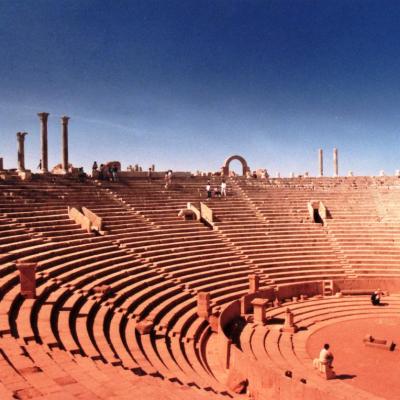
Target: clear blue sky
(185, 84)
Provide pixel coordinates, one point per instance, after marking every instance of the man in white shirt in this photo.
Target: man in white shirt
(223, 188)
(326, 356)
(208, 190)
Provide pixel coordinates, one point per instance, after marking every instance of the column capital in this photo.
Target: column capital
(64, 119)
(43, 116)
(21, 135)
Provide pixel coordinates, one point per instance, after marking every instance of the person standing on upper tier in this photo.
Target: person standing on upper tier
(208, 190)
(223, 188)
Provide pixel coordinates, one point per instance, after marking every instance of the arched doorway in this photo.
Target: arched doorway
(225, 167)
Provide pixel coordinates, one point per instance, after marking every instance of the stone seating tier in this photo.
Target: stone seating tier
(154, 264)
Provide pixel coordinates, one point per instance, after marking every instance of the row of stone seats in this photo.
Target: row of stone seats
(31, 372)
(287, 352)
(69, 314)
(355, 228)
(278, 238)
(73, 327)
(62, 335)
(197, 262)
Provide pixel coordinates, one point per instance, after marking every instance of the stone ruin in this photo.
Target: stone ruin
(107, 290)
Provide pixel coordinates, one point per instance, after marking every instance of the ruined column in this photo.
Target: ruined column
(335, 162)
(43, 125)
(289, 325)
(27, 271)
(1, 164)
(203, 304)
(21, 150)
(254, 283)
(321, 162)
(64, 132)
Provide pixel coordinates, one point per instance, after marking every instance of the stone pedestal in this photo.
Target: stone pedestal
(259, 306)
(64, 133)
(325, 370)
(27, 275)
(203, 304)
(254, 283)
(43, 135)
(289, 325)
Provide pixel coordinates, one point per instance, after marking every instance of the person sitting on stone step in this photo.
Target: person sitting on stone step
(326, 356)
(376, 297)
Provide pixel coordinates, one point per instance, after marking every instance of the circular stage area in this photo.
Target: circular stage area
(372, 369)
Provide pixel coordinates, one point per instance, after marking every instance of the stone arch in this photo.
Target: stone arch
(225, 167)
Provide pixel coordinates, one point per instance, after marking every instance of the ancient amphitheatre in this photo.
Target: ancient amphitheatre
(136, 289)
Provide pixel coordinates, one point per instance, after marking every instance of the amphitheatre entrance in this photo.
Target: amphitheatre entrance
(225, 166)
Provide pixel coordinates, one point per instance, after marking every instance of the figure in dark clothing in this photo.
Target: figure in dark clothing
(81, 175)
(376, 298)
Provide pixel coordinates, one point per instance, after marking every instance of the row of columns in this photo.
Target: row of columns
(335, 162)
(43, 116)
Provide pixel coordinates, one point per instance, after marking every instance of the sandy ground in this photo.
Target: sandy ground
(374, 370)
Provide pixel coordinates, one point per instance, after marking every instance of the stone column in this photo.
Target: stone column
(1, 164)
(203, 304)
(43, 124)
(321, 162)
(254, 283)
(27, 278)
(21, 150)
(64, 132)
(259, 306)
(335, 162)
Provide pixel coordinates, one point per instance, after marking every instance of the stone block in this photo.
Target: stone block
(213, 320)
(144, 327)
(102, 289)
(325, 370)
(203, 305)
(289, 325)
(27, 274)
(259, 306)
(25, 175)
(237, 382)
(254, 283)
(186, 214)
